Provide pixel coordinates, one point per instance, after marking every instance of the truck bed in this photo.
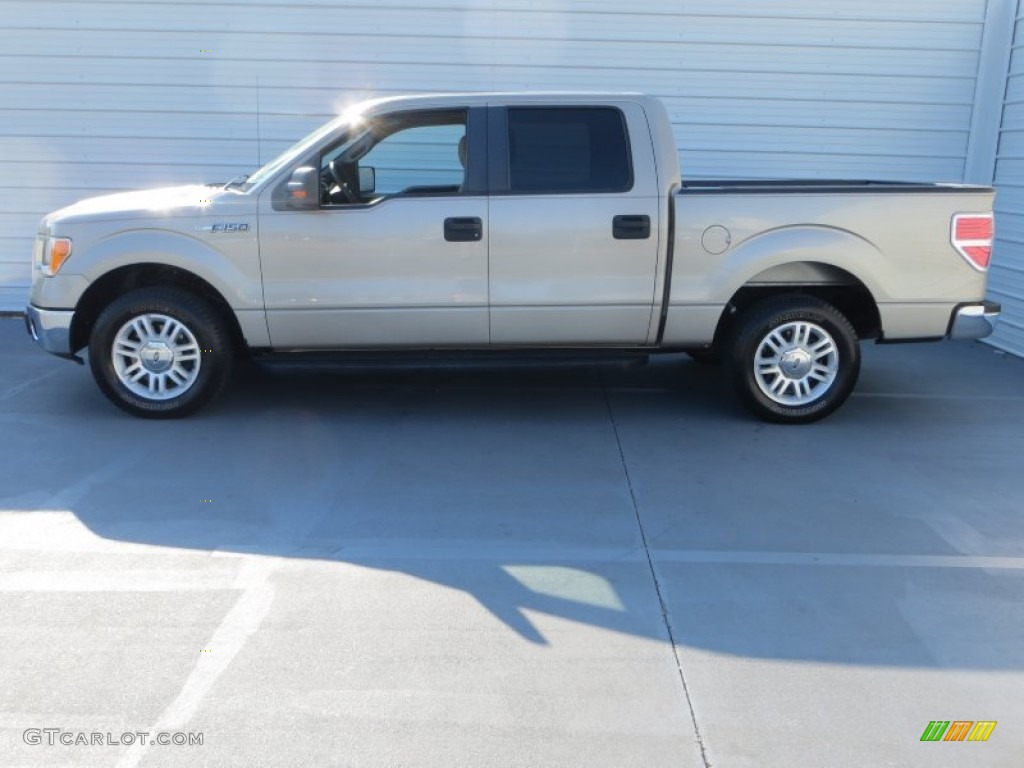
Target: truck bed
(890, 239)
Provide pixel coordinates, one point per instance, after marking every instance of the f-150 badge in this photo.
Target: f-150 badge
(228, 227)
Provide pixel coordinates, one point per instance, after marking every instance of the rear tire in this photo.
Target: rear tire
(160, 353)
(793, 359)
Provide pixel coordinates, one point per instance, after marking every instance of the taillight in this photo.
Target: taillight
(972, 237)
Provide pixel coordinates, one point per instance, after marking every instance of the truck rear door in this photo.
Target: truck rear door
(573, 218)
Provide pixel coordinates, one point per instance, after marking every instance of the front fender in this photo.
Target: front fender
(231, 267)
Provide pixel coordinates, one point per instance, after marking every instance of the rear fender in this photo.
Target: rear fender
(808, 255)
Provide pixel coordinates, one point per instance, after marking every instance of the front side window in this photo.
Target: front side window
(418, 153)
(562, 150)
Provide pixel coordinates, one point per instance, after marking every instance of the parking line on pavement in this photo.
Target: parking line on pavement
(487, 550)
(227, 640)
(837, 558)
(62, 531)
(922, 396)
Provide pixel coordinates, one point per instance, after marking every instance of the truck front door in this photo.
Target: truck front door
(396, 253)
(573, 225)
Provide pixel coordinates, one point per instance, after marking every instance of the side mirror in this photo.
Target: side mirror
(367, 179)
(301, 192)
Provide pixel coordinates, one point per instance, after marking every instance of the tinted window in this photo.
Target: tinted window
(568, 150)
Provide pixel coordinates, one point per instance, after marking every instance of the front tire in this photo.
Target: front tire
(794, 359)
(160, 352)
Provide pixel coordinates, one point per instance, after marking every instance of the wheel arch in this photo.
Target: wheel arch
(828, 282)
(119, 281)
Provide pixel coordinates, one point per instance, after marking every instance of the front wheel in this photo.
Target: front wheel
(794, 359)
(160, 352)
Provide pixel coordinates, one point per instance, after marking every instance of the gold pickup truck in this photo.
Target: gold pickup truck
(461, 224)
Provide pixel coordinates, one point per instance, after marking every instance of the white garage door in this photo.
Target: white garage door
(1006, 277)
(104, 96)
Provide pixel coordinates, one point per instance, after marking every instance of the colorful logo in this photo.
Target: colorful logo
(958, 730)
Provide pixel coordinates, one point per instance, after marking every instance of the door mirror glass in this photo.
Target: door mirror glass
(367, 179)
(300, 192)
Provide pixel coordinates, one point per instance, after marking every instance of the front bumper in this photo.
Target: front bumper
(51, 329)
(974, 321)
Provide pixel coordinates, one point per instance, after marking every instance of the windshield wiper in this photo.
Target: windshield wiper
(239, 179)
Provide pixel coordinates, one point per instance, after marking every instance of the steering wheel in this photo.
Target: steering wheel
(343, 186)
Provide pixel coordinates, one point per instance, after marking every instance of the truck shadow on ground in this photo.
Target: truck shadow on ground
(523, 489)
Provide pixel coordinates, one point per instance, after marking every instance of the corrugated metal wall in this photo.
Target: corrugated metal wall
(102, 96)
(1006, 277)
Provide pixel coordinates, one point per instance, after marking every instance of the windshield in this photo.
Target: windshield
(295, 151)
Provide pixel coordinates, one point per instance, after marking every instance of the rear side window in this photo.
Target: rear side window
(568, 150)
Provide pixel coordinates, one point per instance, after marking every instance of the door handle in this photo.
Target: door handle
(631, 227)
(463, 230)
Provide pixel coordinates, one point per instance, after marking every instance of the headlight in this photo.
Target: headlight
(50, 253)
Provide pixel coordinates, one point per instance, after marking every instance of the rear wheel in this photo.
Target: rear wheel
(794, 359)
(160, 352)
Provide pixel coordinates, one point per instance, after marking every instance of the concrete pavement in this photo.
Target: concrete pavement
(603, 566)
